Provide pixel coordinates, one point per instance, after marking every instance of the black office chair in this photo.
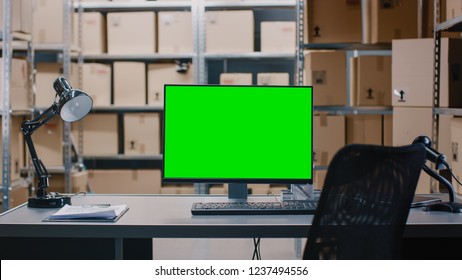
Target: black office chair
(365, 202)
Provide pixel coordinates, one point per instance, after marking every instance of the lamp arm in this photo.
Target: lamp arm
(27, 128)
(442, 180)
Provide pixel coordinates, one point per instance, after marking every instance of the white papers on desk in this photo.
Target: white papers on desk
(89, 212)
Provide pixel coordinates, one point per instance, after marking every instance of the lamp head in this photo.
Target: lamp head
(73, 104)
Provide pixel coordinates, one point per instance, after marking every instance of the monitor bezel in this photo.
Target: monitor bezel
(235, 180)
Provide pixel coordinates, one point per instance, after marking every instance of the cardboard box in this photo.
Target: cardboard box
(177, 190)
(364, 129)
(329, 137)
(229, 31)
(142, 134)
(21, 16)
(326, 72)
(79, 182)
(393, 19)
(48, 22)
(236, 79)
(160, 74)
(252, 188)
(16, 147)
(48, 142)
(19, 86)
(18, 195)
(278, 36)
(175, 32)
(319, 178)
(412, 72)
(337, 21)
(453, 9)
(93, 32)
(280, 79)
(96, 82)
(408, 124)
(46, 75)
(125, 181)
(131, 33)
(456, 151)
(370, 80)
(100, 134)
(129, 83)
(388, 130)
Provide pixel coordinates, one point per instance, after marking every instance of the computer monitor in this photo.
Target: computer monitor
(238, 135)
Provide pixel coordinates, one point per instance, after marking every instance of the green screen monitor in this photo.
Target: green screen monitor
(238, 134)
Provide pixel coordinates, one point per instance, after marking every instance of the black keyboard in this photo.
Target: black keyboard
(293, 207)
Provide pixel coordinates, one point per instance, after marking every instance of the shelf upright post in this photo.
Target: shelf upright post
(6, 89)
(300, 25)
(436, 80)
(80, 81)
(67, 13)
(200, 68)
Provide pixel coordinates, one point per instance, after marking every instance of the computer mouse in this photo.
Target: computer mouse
(444, 207)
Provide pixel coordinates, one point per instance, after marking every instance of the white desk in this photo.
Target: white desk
(169, 216)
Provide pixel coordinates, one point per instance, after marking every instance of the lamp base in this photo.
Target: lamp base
(452, 207)
(55, 201)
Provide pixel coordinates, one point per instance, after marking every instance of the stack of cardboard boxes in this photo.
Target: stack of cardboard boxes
(339, 78)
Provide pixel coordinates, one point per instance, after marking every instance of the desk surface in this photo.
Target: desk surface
(169, 216)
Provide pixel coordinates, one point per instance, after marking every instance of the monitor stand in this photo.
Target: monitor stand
(237, 192)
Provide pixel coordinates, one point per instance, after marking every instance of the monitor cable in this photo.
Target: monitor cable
(256, 249)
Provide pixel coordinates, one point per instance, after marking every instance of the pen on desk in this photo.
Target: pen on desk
(102, 205)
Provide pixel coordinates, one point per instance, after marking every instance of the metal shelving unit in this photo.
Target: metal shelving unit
(11, 42)
(452, 25)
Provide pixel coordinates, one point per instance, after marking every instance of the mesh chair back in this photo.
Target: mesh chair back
(365, 202)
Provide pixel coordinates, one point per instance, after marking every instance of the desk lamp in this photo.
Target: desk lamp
(440, 164)
(72, 105)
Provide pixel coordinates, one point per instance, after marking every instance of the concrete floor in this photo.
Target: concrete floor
(226, 249)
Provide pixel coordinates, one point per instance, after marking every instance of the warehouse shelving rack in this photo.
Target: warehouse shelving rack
(199, 58)
(11, 42)
(452, 25)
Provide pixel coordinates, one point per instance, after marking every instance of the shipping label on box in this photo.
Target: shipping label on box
(334, 21)
(142, 134)
(160, 74)
(281, 79)
(235, 78)
(326, 72)
(100, 134)
(175, 32)
(329, 137)
(131, 33)
(229, 31)
(370, 81)
(129, 83)
(96, 82)
(278, 36)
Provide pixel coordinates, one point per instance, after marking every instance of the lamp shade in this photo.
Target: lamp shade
(74, 105)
